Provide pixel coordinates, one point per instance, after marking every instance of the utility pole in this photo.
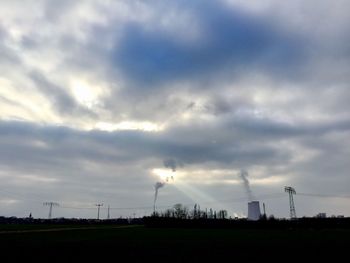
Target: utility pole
(108, 213)
(291, 192)
(98, 210)
(50, 204)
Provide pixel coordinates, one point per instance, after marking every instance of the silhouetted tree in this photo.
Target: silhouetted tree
(194, 213)
(271, 217)
(222, 214)
(211, 213)
(180, 211)
(263, 217)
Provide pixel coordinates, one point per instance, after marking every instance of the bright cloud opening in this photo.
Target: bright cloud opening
(85, 94)
(129, 125)
(164, 174)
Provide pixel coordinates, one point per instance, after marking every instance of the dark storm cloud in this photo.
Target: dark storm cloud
(232, 41)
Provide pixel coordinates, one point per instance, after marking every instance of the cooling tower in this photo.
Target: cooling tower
(253, 210)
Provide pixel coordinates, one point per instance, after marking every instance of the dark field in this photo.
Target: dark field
(132, 243)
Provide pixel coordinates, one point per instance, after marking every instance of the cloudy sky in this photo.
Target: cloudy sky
(101, 99)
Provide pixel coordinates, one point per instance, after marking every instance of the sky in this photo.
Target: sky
(102, 99)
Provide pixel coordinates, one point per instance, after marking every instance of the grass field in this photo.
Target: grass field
(57, 243)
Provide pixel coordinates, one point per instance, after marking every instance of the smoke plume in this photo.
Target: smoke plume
(156, 188)
(244, 176)
(170, 163)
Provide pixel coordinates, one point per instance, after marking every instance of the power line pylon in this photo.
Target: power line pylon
(50, 204)
(291, 192)
(98, 210)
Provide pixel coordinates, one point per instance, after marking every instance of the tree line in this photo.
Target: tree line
(182, 212)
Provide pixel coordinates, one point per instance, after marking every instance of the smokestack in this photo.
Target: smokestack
(254, 210)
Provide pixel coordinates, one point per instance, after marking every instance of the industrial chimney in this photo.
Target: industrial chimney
(254, 210)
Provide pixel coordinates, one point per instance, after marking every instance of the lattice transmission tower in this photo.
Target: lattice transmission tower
(291, 192)
(50, 204)
(98, 210)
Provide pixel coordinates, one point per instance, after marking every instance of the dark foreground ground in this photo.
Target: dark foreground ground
(133, 243)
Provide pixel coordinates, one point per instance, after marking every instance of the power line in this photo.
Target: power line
(244, 199)
(77, 207)
(324, 195)
(113, 208)
(237, 199)
(36, 199)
